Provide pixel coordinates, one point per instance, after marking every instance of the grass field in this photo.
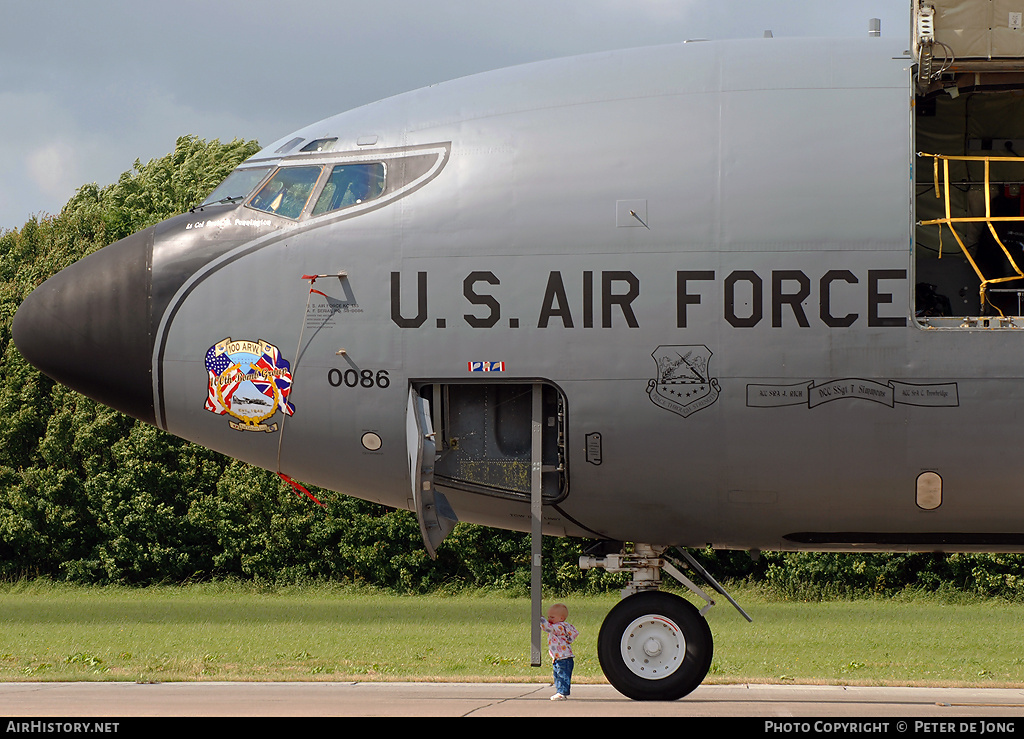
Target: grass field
(238, 632)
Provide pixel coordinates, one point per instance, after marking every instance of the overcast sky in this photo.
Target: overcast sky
(88, 87)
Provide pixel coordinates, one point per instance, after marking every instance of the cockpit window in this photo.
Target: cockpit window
(320, 145)
(350, 184)
(289, 145)
(286, 193)
(237, 186)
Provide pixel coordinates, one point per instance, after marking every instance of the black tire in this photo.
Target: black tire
(678, 643)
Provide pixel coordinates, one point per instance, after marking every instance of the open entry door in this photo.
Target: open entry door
(435, 514)
(498, 439)
(969, 136)
(485, 437)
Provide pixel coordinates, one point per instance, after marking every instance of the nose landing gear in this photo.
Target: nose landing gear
(655, 645)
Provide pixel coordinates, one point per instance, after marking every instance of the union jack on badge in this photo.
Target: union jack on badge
(249, 381)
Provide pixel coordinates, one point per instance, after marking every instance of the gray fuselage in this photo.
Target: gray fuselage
(705, 251)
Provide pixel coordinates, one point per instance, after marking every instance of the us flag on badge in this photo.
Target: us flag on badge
(486, 366)
(216, 364)
(250, 381)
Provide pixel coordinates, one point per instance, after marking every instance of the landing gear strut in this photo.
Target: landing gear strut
(655, 645)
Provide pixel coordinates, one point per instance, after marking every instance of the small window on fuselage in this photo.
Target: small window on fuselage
(350, 184)
(320, 145)
(286, 193)
(290, 145)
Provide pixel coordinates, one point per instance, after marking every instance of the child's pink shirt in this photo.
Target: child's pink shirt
(560, 636)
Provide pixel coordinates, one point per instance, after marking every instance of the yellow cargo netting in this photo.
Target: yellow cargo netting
(988, 218)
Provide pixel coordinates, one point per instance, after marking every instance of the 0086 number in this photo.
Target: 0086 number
(358, 378)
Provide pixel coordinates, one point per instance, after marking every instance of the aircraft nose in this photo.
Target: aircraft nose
(88, 326)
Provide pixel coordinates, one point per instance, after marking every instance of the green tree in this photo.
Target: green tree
(90, 494)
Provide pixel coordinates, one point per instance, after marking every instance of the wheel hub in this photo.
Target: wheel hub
(653, 647)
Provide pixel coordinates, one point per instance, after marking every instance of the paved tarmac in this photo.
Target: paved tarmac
(202, 699)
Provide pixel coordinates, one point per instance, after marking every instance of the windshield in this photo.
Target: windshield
(287, 191)
(237, 186)
(350, 184)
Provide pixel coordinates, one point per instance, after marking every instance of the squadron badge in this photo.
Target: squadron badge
(249, 381)
(684, 385)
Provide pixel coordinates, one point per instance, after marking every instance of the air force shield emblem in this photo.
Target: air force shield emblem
(684, 385)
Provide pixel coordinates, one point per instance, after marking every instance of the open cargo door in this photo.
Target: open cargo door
(969, 184)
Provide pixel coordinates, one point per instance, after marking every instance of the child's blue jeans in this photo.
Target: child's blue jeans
(563, 674)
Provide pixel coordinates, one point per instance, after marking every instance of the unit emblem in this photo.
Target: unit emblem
(684, 385)
(249, 381)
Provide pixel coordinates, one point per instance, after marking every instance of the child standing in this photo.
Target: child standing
(560, 635)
